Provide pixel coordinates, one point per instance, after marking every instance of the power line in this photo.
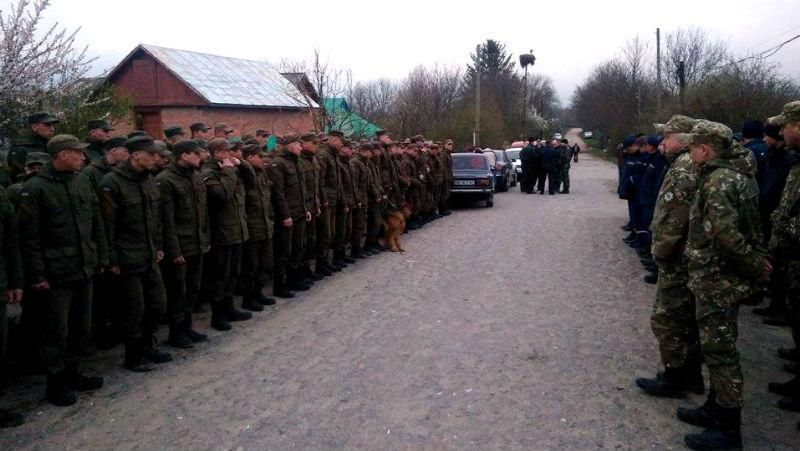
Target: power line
(761, 55)
(785, 32)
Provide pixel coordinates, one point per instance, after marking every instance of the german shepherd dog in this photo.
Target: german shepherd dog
(394, 222)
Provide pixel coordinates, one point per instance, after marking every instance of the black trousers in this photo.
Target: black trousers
(66, 323)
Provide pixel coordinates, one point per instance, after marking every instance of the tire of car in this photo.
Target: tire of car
(490, 202)
(514, 183)
(503, 184)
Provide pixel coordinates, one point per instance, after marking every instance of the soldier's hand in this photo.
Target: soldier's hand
(319, 212)
(308, 216)
(159, 256)
(179, 260)
(287, 222)
(115, 270)
(236, 161)
(15, 296)
(227, 163)
(41, 286)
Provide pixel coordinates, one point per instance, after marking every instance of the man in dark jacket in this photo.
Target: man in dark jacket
(228, 225)
(184, 224)
(11, 283)
(129, 202)
(630, 173)
(63, 246)
(291, 214)
(310, 168)
(526, 156)
(753, 139)
(646, 196)
(550, 161)
(42, 128)
(99, 133)
(330, 194)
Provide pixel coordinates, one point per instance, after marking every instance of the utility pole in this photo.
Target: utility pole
(525, 60)
(682, 83)
(658, 73)
(477, 132)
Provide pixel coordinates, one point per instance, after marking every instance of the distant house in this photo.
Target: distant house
(179, 87)
(341, 117)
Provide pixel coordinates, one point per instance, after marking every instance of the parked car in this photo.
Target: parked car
(513, 155)
(473, 178)
(504, 173)
(587, 134)
(557, 136)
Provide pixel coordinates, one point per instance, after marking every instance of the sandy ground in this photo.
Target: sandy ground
(520, 326)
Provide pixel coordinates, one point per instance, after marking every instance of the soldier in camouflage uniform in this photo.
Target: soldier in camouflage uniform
(784, 247)
(344, 214)
(673, 318)
(374, 204)
(310, 168)
(447, 167)
(726, 256)
(565, 160)
(42, 128)
(365, 191)
(415, 180)
(330, 193)
(99, 131)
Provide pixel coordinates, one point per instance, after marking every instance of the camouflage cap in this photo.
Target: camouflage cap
(116, 141)
(223, 127)
(141, 143)
(288, 139)
(173, 130)
(185, 146)
(41, 117)
(36, 158)
(253, 149)
(308, 137)
(218, 144)
(199, 126)
(161, 148)
(676, 124)
(714, 133)
(236, 142)
(64, 142)
(776, 121)
(99, 123)
(791, 112)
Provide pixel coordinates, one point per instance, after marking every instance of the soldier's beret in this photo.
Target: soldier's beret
(173, 130)
(185, 146)
(36, 158)
(199, 126)
(676, 124)
(99, 123)
(64, 142)
(791, 112)
(218, 144)
(116, 141)
(714, 133)
(141, 143)
(41, 117)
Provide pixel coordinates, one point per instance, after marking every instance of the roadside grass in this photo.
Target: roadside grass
(594, 149)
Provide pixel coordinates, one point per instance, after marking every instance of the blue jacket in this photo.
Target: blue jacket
(550, 157)
(779, 162)
(631, 174)
(652, 174)
(759, 148)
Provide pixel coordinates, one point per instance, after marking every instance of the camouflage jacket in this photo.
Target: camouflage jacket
(184, 214)
(361, 180)
(671, 218)
(348, 198)
(330, 184)
(95, 172)
(785, 240)
(225, 197)
(289, 187)
(725, 249)
(447, 165)
(310, 168)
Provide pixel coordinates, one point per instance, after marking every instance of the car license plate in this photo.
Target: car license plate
(465, 182)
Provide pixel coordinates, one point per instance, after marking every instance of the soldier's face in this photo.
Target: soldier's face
(791, 133)
(385, 139)
(46, 131)
(671, 143)
(700, 153)
(146, 160)
(98, 134)
(117, 154)
(310, 146)
(72, 159)
(256, 161)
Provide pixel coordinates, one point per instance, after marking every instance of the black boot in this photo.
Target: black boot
(347, 259)
(57, 393)
(193, 335)
(338, 259)
(309, 274)
(321, 268)
(9, 419)
(725, 434)
(153, 354)
(293, 282)
(703, 416)
(790, 388)
(791, 404)
(670, 383)
(651, 278)
(630, 238)
(219, 320)
(133, 359)
(792, 354)
(80, 383)
(232, 313)
(177, 337)
(250, 302)
(279, 287)
(264, 300)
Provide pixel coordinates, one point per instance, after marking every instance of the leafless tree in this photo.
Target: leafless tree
(697, 50)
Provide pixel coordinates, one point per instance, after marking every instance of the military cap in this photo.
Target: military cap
(199, 126)
(41, 117)
(288, 139)
(434, 146)
(253, 149)
(708, 132)
(161, 148)
(336, 133)
(136, 133)
(173, 130)
(251, 141)
(308, 137)
(202, 143)
(116, 141)
(218, 144)
(654, 140)
(628, 141)
(64, 142)
(141, 143)
(363, 147)
(676, 124)
(450, 141)
(418, 138)
(221, 126)
(776, 120)
(773, 131)
(262, 132)
(235, 142)
(380, 133)
(185, 146)
(791, 112)
(36, 158)
(99, 123)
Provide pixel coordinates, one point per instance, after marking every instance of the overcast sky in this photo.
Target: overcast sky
(387, 39)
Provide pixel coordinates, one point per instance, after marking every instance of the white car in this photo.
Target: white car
(513, 155)
(557, 136)
(587, 134)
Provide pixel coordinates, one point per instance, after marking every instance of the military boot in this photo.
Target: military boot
(219, 319)
(631, 237)
(57, 392)
(264, 300)
(232, 313)
(651, 278)
(9, 419)
(725, 434)
(306, 271)
(294, 282)
(279, 287)
(703, 416)
(133, 359)
(670, 383)
(250, 302)
(338, 259)
(792, 354)
(153, 354)
(321, 268)
(80, 383)
(347, 259)
(193, 335)
(790, 388)
(177, 337)
(791, 404)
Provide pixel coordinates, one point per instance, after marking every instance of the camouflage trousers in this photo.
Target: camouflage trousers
(564, 177)
(718, 299)
(673, 318)
(792, 273)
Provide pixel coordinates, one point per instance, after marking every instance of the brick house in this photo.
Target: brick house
(179, 87)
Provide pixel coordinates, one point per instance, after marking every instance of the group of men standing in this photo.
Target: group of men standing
(106, 238)
(547, 161)
(716, 233)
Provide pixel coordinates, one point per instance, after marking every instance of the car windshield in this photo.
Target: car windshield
(513, 153)
(470, 161)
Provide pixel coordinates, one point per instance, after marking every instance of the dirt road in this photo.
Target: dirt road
(519, 326)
